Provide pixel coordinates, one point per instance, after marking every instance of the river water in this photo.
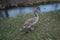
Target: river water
(23, 10)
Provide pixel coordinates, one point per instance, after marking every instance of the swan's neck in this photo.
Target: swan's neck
(36, 15)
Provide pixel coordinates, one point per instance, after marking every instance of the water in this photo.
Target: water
(2, 14)
(23, 10)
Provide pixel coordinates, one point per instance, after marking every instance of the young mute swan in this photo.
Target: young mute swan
(31, 21)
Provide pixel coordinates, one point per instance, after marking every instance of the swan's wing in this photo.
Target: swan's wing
(30, 21)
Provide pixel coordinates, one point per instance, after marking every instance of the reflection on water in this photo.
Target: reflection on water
(23, 10)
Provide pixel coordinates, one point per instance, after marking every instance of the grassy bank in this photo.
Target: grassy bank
(48, 28)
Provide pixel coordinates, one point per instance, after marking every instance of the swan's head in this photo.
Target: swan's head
(37, 10)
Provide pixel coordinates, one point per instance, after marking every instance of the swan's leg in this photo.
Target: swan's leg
(32, 28)
(29, 29)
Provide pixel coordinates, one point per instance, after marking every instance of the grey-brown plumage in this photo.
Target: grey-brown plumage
(31, 21)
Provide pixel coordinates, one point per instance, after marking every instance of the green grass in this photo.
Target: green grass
(48, 28)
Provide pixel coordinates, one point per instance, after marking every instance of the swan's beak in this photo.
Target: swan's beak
(38, 8)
